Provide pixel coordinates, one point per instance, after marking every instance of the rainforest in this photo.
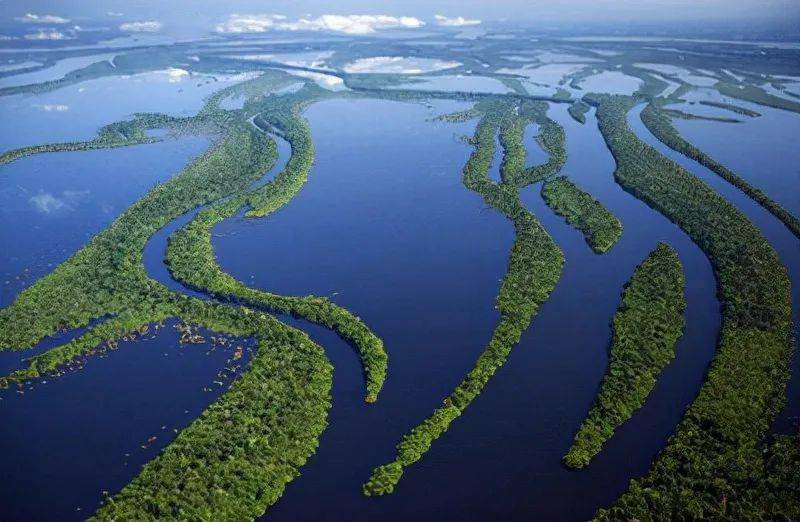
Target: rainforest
(377, 267)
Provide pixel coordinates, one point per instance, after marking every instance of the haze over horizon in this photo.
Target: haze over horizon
(205, 16)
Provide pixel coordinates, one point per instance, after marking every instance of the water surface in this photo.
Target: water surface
(83, 433)
(784, 242)
(52, 204)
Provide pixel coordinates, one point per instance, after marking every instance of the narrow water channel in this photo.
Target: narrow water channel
(782, 240)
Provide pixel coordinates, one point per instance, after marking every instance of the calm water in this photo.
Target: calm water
(80, 434)
(517, 431)
(51, 204)
(77, 112)
(384, 226)
(762, 150)
(56, 71)
(458, 83)
(156, 248)
(784, 242)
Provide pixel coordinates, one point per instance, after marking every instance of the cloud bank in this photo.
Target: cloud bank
(398, 65)
(48, 107)
(146, 26)
(47, 35)
(42, 19)
(237, 23)
(458, 21)
(347, 24)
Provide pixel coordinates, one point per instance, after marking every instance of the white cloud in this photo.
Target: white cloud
(46, 203)
(49, 107)
(115, 13)
(353, 24)
(82, 29)
(4, 37)
(348, 24)
(47, 35)
(326, 81)
(458, 21)
(398, 65)
(43, 19)
(175, 75)
(237, 23)
(147, 26)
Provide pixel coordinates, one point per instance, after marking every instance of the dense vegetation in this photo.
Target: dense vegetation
(660, 125)
(600, 227)
(534, 268)
(646, 329)
(731, 107)
(190, 254)
(676, 113)
(578, 111)
(715, 453)
(120, 134)
(235, 460)
(757, 95)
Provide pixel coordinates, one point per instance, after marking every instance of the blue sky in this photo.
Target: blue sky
(203, 15)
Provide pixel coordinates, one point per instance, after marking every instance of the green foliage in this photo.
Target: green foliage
(646, 327)
(578, 111)
(383, 479)
(675, 113)
(190, 254)
(121, 134)
(716, 445)
(534, 268)
(235, 460)
(600, 227)
(757, 95)
(106, 276)
(660, 125)
(730, 107)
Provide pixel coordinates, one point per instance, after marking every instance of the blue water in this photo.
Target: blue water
(55, 72)
(784, 242)
(80, 434)
(497, 161)
(156, 248)
(762, 150)
(77, 112)
(386, 228)
(401, 251)
(536, 155)
(52, 204)
(384, 225)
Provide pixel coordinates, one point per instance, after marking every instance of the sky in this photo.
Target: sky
(201, 16)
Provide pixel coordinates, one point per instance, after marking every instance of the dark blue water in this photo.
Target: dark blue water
(516, 432)
(52, 204)
(385, 227)
(69, 438)
(156, 248)
(784, 242)
(762, 150)
(410, 266)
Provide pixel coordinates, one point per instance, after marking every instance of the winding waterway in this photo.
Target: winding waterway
(782, 240)
(385, 227)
